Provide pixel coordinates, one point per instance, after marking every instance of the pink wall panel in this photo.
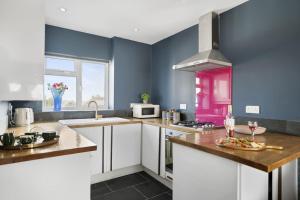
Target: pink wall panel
(213, 94)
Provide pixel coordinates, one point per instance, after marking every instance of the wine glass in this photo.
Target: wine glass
(252, 126)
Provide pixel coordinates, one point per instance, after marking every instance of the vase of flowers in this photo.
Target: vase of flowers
(57, 90)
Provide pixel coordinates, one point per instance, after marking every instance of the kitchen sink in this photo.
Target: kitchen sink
(70, 122)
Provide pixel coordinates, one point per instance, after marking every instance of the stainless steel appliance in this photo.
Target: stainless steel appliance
(169, 152)
(195, 125)
(209, 56)
(23, 116)
(145, 110)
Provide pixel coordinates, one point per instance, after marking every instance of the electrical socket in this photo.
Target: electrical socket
(182, 106)
(253, 109)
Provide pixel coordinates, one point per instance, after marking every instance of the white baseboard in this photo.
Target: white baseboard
(126, 171)
(116, 173)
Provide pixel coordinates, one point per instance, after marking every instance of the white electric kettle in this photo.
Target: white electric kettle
(24, 116)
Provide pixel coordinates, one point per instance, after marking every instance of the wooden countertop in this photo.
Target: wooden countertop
(152, 121)
(266, 160)
(111, 123)
(69, 143)
(167, 124)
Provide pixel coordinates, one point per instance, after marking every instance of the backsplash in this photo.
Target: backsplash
(40, 116)
(3, 108)
(55, 116)
(37, 106)
(273, 125)
(213, 90)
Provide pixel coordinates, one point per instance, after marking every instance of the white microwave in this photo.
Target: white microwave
(145, 110)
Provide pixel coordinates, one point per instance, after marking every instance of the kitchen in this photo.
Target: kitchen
(137, 55)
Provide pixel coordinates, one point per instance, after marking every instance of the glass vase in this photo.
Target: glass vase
(57, 100)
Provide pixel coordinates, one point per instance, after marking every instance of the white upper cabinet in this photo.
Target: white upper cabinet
(150, 147)
(22, 41)
(126, 145)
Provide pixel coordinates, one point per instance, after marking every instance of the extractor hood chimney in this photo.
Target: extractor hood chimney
(209, 56)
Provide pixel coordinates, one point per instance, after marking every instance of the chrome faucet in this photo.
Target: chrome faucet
(96, 113)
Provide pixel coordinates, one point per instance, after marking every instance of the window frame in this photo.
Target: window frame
(77, 73)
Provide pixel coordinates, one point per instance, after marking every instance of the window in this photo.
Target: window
(86, 81)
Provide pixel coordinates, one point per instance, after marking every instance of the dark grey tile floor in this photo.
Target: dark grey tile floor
(139, 186)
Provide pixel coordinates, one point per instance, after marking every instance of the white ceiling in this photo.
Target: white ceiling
(155, 19)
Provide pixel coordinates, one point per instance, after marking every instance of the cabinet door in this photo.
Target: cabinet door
(126, 146)
(151, 147)
(22, 39)
(107, 148)
(95, 134)
(162, 171)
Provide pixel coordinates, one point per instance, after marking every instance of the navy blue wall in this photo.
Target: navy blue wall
(261, 38)
(170, 87)
(132, 71)
(74, 43)
(132, 60)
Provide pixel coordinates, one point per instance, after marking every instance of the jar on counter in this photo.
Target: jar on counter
(176, 117)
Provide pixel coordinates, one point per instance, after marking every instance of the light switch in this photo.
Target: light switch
(252, 109)
(182, 106)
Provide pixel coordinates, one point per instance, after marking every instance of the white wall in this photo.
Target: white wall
(3, 116)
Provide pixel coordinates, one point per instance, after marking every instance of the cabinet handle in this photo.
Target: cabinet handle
(103, 150)
(111, 146)
(159, 150)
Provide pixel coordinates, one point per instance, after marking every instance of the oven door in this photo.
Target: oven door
(169, 159)
(169, 152)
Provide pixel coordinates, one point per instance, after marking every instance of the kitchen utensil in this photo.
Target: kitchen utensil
(49, 135)
(7, 139)
(252, 126)
(245, 130)
(26, 139)
(262, 147)
(24, 116)
(33, 134)
(39, 143)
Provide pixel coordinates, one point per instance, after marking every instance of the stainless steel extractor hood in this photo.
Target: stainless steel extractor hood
(209, 56)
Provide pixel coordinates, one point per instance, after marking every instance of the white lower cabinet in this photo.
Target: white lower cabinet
(151, 147)
(95, 134)
(217, 178)
(126, 146)
(118, 146)
(254, 183)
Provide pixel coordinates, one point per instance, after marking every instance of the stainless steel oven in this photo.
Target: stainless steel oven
(169, 152)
